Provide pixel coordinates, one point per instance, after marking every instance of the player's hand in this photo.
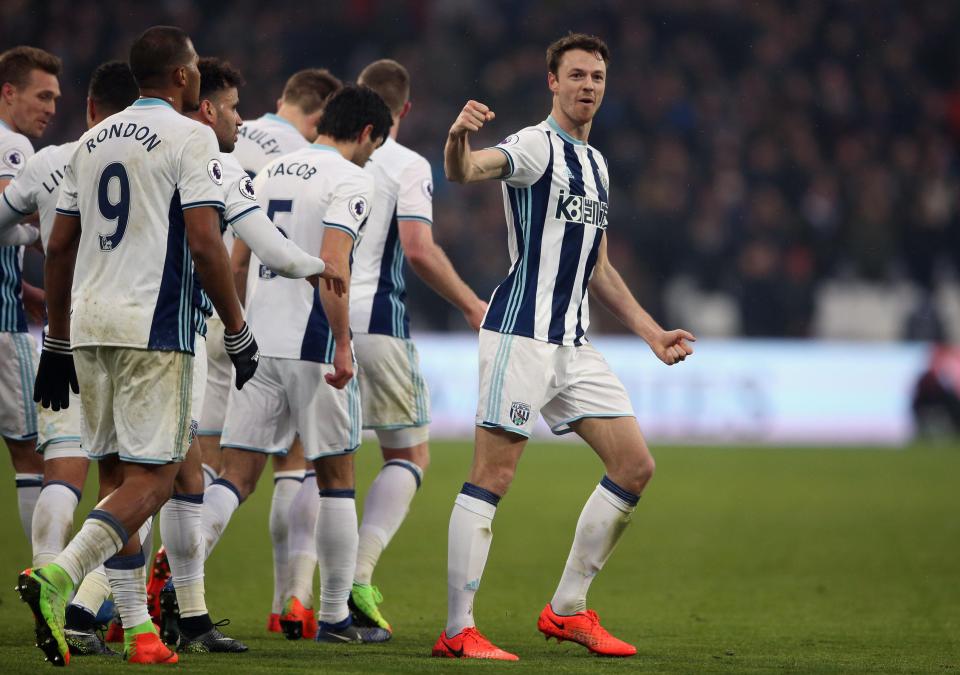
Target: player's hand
(333, 278)
(342, 367)
(244, 352)
(471, 119)
(671, 346)
(474, 315)
(55, 374)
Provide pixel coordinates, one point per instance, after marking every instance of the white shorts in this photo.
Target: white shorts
(199, 383)
(136, 403)
(18, 369)
(522, 378)
(286, 397)
(392, 389)
(219, 381)
(59, 431)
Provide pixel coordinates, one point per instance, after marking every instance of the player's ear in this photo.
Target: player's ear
(91, 110)
(406, 109)
(553, 82)
(7, 91)
(365, 133)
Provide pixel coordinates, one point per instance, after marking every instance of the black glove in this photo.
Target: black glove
(243, 351)
(55, 374)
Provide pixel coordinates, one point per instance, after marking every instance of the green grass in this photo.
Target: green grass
(738, 560)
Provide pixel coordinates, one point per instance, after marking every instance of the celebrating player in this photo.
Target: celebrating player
(144, 181)
(394, 395)
(293, 127)
(28, 93)
(320, 198)
(534, 355)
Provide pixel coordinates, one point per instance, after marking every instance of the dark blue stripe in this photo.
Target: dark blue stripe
(309, 474)
(227, 484)
(382, 310)
(126, 562)
(104, 517)
(206, 202)
(243, 213)
(29, 482)
(618, 491)
(341, 493)
(172, 326)
(591, 261)
(342, 228)
(500, 301)
(566, 278)
(406, 465)
(68, 212)
(277, 479)
(317, 335)
(12, 317)
(73, 488)
(601, 191)
(22, 213)
(539, 197)
(480, 493)
(192, 499)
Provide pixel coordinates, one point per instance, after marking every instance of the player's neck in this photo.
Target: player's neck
(6, 118)
(569, 127)
(345, 148)
(296, 117)
(171, 97)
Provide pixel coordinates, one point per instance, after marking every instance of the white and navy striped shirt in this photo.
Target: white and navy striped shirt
(404, 191)
(129, 181)
(555, 199)
(15, 150)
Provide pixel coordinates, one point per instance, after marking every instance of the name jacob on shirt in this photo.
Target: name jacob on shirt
(584, 210)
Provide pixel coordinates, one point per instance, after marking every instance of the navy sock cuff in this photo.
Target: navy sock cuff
(336, 626)
(480, 493)
(277, 479)
(105, 517)
(341, 493)
(126, 562)
(406, 465)
(67, 485)
(29, 482)
(230, 486)
(193, 499)
(618, 491)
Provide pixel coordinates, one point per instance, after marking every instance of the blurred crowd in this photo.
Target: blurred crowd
(766, 157)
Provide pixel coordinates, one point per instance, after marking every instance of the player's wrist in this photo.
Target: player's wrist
(234, 342)
(57, 345)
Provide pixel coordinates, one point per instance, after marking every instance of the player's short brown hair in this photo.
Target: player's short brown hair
(588, 43)
(217, 75)
(309, 89)
(389, 79)
(17, 63)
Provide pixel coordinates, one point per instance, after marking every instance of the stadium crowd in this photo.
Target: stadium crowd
(766, 158)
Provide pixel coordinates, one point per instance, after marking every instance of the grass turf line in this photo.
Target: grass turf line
(738, 560)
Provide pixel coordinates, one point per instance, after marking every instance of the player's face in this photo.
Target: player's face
(366, 148)
(191, 89)
(579, 84)
(227, 119)
(35, 104)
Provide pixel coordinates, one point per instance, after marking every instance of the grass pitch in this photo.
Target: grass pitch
(738, 560)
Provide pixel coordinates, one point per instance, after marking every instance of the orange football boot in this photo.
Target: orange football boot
(147, 648)
(298, 621)
(159, 574)
(273, 624)
(114, 632)
(583, 628)
(470, 644)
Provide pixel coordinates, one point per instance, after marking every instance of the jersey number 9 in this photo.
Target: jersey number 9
(118, 210)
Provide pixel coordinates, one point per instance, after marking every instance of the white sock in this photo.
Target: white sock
(468, 544)
(93, 591)
(302, 543)
(53, 521)
(384, 509)
(209, 475)
(220, 500)
(286, 484)
(604, 518)
(127, 575)
(146, 537)
(28, 492)
(180, 520)
(101, 536)
(336, 538)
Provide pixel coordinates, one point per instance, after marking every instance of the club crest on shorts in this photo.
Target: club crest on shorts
(519, 413)
(215, 169)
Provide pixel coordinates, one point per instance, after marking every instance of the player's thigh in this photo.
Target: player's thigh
(95, 377)
(152, 399)
(293, 460)
(218, 384)
(517, 376)
(18, 412)
(393, 391)
(328, 420)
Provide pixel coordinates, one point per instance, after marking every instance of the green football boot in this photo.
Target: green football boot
(363, 602)
(46, 590)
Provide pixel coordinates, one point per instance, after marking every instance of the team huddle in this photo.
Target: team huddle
(218, 292)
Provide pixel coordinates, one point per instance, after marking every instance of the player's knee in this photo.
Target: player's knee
(633, 473)
(496, 478)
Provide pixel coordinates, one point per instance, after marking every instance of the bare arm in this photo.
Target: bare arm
(609, 288)
(58, 274)
(240, 266)
(213, 264)
(432, 265)
(336, 249)
(460, 163)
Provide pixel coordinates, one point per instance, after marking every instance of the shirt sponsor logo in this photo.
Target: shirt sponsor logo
(577, 209)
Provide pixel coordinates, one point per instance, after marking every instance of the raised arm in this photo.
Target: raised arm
(460, 163)
(607, 286)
